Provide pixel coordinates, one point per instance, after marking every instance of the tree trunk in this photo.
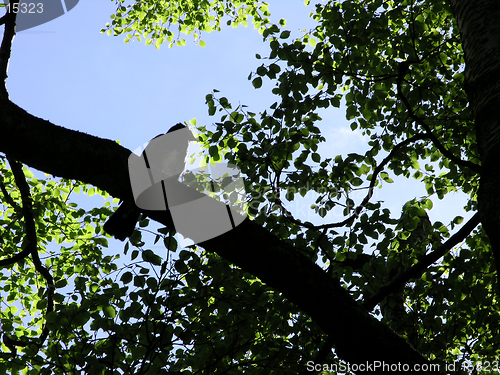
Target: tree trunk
(480, 33)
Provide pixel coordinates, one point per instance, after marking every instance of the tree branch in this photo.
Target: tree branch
(403, 69)
(31, 239)
(418, 269)
(371, 188)
(7, 197)
(25, 252)
(103, 163)
(15, 258)
(9, 19)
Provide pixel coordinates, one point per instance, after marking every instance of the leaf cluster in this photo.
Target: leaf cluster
(163, 21)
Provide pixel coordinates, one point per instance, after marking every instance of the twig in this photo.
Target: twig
(403, 69)
(371, 188)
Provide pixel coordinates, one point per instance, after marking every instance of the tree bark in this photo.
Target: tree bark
(480, 34)
(358, 337)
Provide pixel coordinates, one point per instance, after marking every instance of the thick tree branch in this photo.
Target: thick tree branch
(15, 258)
(9, 20)
(358, 336)
(480, 33)
(418, 269)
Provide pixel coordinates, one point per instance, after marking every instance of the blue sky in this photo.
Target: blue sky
(67, 72)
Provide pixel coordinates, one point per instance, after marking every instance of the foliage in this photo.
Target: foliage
(149, 315)
(152, 19)
(399, 67)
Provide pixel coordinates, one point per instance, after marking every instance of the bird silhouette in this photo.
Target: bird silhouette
(122, 223)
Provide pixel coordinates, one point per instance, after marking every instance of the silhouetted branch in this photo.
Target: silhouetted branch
(104, 163)
(31, 240)
(424, 262)
(9, 20)
(371, 188)
(403, 67)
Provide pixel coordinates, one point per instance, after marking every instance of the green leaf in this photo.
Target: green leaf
(152, 283)
(385, 176)
(213, 151)
(151, 257)
(285, 34)
(181, 267)
(257, 82)
(61, 283)
(192, 280)
(109, 312)
(356, 181)
(126, 277)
